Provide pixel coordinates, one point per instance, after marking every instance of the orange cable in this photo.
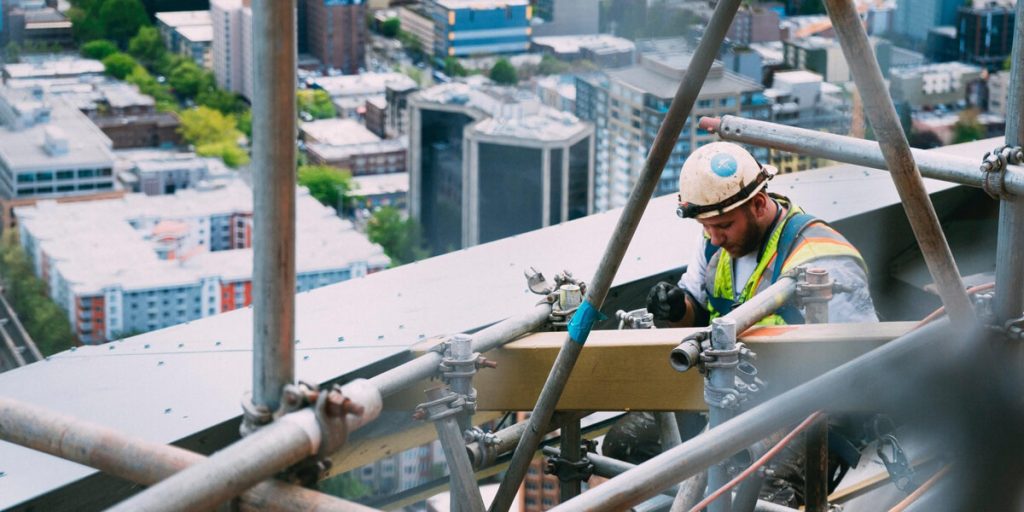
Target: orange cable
(910, 499)
(942, 309)
(758, 463)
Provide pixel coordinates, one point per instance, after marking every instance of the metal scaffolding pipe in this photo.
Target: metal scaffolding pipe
(852, 150)
(833, 390)
(664, 144)
(424, 366)
(1009, 299)
(273, 156)
(140, 461)
(506, 439)
(265, 452)
(880, 112)
(234, 469)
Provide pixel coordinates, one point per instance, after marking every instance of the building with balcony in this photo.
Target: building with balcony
(232, 45)
(336, 33)
(628, 106)
(188, 33)
(933, 84)
(141, 262)
(489, 162)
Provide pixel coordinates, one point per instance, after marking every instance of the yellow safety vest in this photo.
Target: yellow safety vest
(802, 239)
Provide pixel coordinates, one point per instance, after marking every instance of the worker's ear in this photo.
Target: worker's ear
(760, 204)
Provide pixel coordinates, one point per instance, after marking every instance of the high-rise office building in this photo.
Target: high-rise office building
(985, 35)
(489, 162)
(914, 18)
(336, 33)
(628, 107)
(476, 27)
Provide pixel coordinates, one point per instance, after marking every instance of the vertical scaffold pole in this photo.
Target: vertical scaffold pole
(273, 152)
(572, 444)
(587, 314)
(1010, 244)
(719, 394)
(893, 143)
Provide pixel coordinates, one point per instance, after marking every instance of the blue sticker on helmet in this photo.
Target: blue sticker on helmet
(724, 165)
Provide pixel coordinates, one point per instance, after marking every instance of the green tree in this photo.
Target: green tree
(329, 185)
(551, 66)
(219, 99)
(401, 238)
(161, 93)
(119, 65)
(228, 151)
(46, 323)
(316, 102)
(147, 46)
(245, 123)
(85, 26)
(122, 19)
(391, 27)
(452, 67)
(412, 45)
(12, 53)
(967, 127)
(98, 49)
(504, 72)
(345, 486)
(188, 79)
(203, 125)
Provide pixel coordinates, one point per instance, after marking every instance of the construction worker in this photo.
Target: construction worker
(750, 239)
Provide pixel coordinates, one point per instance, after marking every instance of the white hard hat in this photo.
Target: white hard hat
(717, 178)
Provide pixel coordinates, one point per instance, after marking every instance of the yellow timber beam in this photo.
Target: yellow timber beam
(629, 369)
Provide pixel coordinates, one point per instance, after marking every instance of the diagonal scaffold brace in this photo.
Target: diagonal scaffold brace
(579, 328)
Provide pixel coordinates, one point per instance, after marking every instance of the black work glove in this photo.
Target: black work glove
(667, 301)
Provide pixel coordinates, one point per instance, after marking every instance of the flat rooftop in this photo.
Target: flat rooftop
(659, 74)
(94, 244)
(23, 150)
(184, 18)
(505, 111)
(53, 68)
(594, 42)
(480, 4)
(366, 84)
(337, 132)
(197, 33)
(378, 184)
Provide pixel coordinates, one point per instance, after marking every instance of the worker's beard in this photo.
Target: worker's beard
(752, 237)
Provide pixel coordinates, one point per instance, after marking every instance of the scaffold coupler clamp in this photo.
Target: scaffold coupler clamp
(293, 398)
(449, 404)
(1014, 328)
(635, 319)
(482, 447)
(565, 295)
(813, 285)
(571, 471)
(993, 168)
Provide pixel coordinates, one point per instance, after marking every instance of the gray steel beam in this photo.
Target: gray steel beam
(1009, 300)
(893, 142)
(852, 150)
(664, 143)
(872, 373)
(273, 156)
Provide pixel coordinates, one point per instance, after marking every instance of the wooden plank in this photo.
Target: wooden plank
(629, 369)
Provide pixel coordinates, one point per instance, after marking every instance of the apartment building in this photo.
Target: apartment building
(628, 106)
(142, 263)
(336, 33)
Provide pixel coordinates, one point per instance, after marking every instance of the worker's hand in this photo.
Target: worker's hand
(667, 301)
